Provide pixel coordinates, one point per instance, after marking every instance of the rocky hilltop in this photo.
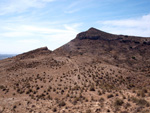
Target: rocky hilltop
(97, 72)
(35, 53)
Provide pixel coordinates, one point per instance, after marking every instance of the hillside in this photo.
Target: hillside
(97, 72)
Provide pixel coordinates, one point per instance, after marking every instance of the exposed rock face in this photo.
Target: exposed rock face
(92, 34)
(95, 34)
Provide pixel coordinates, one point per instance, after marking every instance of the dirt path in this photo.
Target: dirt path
(76, 67)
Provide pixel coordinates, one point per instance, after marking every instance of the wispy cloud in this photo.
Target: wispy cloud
(77, 6)
(18, 6)
(137, 26)
(28, 37)
(29, 24)
(26, 31)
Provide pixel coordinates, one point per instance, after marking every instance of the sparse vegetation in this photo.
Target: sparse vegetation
(141, 102)
(86, 75)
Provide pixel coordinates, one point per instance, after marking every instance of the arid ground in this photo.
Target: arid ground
(96, 72)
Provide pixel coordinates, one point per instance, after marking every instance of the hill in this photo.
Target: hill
(3, 56)
(97, 72)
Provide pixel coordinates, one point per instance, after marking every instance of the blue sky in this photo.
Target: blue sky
(30, 24)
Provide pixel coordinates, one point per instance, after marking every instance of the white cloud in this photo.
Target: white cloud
(18, 6)
(72, 10)
(21, 38)
(11, 34)
(136, 26)
(77, 5)
(30, 41)
(47, 0)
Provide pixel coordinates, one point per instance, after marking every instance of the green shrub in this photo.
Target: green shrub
(54, 109)
(141, 102)
(133, 58)
(92, 88)
(62, 103)
(110, 96)
(88, 111)
(118, 102)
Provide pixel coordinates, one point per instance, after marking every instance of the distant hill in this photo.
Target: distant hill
(3, 56)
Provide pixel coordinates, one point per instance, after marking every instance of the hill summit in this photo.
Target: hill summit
(35, 53)
(92, 34)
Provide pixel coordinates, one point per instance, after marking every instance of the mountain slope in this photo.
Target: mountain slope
(95, 72)
(125, 51)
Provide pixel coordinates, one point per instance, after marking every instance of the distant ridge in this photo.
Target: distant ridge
(4, 56)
